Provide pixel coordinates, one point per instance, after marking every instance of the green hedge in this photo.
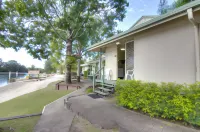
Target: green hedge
(85, 74)
(167, 100)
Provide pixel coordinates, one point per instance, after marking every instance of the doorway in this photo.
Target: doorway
(121, 60)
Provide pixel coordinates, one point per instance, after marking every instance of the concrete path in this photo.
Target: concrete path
(55, 117)
(16, 89)
(108, 116)
(101, 113)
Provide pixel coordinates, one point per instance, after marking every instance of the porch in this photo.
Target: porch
(117, 63)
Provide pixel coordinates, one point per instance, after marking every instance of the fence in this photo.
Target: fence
(6, 76)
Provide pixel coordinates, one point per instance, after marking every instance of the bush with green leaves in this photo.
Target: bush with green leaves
(167, 100)
(89, 90)
(85, 74)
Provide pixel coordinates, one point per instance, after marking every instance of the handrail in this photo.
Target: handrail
(99, 70)
(94, 77)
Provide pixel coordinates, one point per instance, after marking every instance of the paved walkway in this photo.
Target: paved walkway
(56, 118)
(16, 89)
(108, 116)
(98, 111)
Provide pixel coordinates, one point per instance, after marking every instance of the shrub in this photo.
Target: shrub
(167, 100)
(89, 90)
(85, 74)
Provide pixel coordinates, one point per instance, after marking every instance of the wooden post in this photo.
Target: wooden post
(78, 71)
(103, 77)
(16, 74)
(100, 63)
(93, 82)
(9, 76)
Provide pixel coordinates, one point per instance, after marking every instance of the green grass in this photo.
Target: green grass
(28, 104)
(89, 90)
(21, 125)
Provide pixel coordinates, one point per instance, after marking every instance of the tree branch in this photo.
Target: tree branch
(51, 24)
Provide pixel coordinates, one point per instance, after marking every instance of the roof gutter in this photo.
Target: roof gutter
(197, 42)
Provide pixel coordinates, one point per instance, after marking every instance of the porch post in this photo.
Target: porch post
(100, 61)
(125, 78)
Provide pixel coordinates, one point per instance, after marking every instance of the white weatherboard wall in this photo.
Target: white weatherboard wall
(166, 53)
(111, 60)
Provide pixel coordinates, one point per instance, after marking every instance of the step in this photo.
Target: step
(109, 82)
(105, 89)
(108, 85)
(99, 81)
(102, 93)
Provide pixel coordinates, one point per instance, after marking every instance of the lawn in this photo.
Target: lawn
(28, 104)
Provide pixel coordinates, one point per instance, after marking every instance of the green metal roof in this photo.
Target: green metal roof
(90, 63)
(143, 17)
(174, 12)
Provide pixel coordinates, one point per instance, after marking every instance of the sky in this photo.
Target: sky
(136, 9)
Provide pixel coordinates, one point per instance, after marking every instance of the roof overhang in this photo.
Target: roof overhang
(179, 12)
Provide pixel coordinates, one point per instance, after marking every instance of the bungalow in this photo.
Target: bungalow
(161, 48)
(91, 67)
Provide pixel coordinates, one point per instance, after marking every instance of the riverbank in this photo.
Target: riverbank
(16, 89)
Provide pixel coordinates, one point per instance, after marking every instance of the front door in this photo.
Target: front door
(129, 55)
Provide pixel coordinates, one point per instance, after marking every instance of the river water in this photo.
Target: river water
(4, 77)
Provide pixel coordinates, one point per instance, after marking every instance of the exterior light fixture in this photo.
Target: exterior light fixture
(122, 49)
(117, 43)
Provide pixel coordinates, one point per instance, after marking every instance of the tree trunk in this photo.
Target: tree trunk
(68, 74)
(78, 71)
(0, 4)
(68, 66)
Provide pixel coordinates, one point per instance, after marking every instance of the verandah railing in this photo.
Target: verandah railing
(101, 73)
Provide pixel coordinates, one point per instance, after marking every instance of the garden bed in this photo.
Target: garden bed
(171, 101)
(64, 86)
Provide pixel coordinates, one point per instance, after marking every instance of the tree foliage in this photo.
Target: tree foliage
(48, 67)
(58, 25)
(163, 6)
(33, 67)
(12, 66)
(179, 3)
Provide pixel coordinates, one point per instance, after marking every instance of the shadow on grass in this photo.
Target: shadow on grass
(28, 104)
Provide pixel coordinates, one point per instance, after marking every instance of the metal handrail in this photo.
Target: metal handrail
(94, 77)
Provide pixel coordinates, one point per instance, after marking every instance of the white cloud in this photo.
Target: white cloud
(141, 10)
(21, 56)
(131, 10)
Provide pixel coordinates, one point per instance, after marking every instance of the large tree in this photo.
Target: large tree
(163, 7)
(65, 21)
(12, 66)
(48, 67)
(179, 3)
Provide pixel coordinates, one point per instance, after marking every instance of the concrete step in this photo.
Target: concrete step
(99, 81)
(101, 93)
(109, 82)
(105, 89)
(108, 85)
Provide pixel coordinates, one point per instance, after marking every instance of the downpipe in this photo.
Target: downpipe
(197, 42)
